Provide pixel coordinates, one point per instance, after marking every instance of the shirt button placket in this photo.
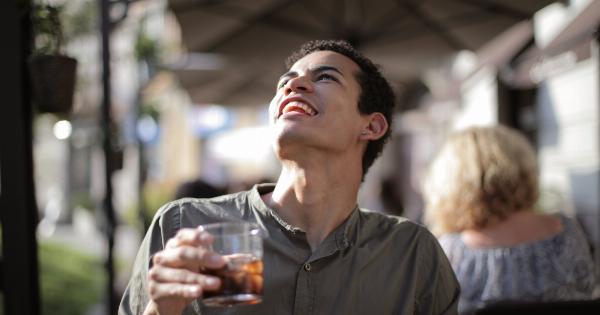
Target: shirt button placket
(304, 291)
(307, 266)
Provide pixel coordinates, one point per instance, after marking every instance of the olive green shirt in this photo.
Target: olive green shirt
(370, 264)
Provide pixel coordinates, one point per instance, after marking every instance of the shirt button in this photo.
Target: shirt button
(307, 267)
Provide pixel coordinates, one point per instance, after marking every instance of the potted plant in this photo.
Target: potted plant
(52, 73)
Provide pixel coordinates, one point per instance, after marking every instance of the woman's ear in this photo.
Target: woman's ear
(376, 128)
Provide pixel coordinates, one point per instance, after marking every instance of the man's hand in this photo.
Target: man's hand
(175, 278)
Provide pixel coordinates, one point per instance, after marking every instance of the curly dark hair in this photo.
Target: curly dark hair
(376, 93)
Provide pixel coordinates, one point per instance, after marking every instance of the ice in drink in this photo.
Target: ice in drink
(241, 282)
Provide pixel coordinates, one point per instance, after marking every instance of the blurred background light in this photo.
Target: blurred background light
(147, 129)
(207, 119)
(242, 145)
(62, 129)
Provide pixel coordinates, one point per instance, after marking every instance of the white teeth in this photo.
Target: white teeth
(302, 106)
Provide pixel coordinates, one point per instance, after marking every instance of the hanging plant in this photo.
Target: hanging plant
(147, 52)
(146, 49)
(52, 73)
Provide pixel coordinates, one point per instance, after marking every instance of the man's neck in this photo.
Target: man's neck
(316, 198)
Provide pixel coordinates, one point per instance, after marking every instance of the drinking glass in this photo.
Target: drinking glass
(241, 244)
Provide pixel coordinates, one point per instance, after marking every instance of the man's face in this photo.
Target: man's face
(316, 103)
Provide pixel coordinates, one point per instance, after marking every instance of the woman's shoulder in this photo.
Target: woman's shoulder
(558, 267)
(450, 239)
(563, 243)
(453, 245)
(543, 258)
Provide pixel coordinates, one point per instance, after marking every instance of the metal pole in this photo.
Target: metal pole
(142, 174)
(146, 71)
(596, 245)
(107, 144)
(20, 277)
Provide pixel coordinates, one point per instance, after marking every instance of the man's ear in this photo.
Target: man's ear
(376, 128)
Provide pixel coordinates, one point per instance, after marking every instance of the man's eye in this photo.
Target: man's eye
(325, 77)
(282, 83)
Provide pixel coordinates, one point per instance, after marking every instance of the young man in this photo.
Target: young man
(324, 255)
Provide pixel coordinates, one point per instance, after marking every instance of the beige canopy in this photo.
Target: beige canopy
(236, 48)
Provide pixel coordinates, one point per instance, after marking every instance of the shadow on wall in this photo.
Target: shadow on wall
(548, 123)
(584, 193)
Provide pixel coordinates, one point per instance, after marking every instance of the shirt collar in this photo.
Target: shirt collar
(343, 236)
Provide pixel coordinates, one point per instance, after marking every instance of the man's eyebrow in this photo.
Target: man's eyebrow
(288, 74)
(326, 68)
(315, 69)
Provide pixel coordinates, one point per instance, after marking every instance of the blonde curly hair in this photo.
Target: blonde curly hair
(481, 175)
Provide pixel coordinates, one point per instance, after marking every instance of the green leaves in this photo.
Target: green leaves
(71, 281)
(47, 29)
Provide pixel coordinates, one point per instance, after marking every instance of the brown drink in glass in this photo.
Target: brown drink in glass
(240, 244)
(241, 282)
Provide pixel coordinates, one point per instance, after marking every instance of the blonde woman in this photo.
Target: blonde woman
(480, 195)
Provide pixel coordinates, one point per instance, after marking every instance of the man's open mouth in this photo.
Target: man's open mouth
(298, 106)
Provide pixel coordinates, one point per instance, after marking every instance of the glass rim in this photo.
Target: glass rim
(252, 228)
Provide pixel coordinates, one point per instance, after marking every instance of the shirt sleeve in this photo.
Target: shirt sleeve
(164, 226)
(439, 291)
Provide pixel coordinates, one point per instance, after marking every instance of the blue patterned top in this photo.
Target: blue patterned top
(553, 269)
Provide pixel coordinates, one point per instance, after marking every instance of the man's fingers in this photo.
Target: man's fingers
(183, 276)
(191, 258)
(190, 237)
(160, 290)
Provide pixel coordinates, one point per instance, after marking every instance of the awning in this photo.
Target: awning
(567, 46)
(404, 37)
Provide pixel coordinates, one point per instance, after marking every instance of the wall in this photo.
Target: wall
(479, 104)
(568, 140)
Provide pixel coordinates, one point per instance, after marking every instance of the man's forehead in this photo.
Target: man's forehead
(326, 58)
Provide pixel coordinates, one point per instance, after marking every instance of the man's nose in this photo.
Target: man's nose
(299, 83)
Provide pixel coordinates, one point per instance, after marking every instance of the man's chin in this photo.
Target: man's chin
(290, 136)
(284, 129)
